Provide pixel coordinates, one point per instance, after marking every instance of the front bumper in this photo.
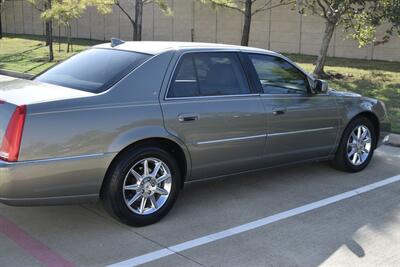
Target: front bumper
(53, 181)
(385, 128)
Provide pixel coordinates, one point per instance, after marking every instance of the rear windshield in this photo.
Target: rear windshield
(93, 70)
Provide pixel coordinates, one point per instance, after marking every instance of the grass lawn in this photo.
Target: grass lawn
(378, 79)
(28, 53)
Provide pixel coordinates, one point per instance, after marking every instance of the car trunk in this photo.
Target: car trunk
(15, 98)
(26, 92)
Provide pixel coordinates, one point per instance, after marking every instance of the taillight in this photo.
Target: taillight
(9, 150)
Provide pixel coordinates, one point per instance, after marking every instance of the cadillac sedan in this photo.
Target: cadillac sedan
(131, 122)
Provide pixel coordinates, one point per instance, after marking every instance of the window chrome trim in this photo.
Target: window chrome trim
(231, 139)
(186, 81)
(210, 96)
(303, 95)
(301, 131)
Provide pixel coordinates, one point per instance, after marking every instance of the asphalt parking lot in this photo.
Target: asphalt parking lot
(363, 229)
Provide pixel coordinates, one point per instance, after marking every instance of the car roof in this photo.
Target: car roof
(157, 47)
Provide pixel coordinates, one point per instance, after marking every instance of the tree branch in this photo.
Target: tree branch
(324, 12)
(227, 5)
(267, 7)
(126, 13)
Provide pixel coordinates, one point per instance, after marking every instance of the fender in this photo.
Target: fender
(135, 135)
(353, 105)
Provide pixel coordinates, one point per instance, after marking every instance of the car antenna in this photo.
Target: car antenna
(116, 41)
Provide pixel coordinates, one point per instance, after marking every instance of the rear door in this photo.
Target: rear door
(211, 107)
(300, 125)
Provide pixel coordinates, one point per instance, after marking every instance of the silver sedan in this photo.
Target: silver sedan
(131, 122)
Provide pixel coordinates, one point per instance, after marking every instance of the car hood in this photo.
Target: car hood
(25, 92)
(344, 93)
(351, 96)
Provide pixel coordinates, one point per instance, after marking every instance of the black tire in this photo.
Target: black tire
(112, 194)
(341, 160)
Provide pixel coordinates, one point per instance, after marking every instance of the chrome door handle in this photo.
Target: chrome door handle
(279, 111)
(188, 117)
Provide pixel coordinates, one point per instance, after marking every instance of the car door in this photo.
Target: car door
(300, 125)
(213, 110)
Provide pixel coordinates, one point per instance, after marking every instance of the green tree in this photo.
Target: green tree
(42, 6)
(246, 7)
(63, 11)
(359, 18)
(136, 18)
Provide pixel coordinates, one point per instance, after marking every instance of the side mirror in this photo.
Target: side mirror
(320, 87)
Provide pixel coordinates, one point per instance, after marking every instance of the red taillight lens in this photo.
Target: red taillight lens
(9, 150)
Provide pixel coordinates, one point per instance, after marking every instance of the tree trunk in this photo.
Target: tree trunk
(49, 32)
(137, 28)
(247, 23)
(328, 33)
(47, 24)
(69, 34)
(47, 28)
(68, 38)
(51, 53)
(59, 38)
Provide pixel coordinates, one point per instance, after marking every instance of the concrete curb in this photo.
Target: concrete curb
(393, 140)
(16, 74)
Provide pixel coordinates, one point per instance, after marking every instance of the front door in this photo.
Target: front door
(212, 109)
(301, 125)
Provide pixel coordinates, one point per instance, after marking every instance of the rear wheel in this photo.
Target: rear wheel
(142, 186)
(356, 147)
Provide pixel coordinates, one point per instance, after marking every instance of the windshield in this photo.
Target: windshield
(93, 70)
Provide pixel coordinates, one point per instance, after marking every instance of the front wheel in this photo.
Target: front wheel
(356, 147)
(142, 186)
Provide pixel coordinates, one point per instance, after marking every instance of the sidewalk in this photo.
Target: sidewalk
(15, 74)
(394, 140)
(4, 78)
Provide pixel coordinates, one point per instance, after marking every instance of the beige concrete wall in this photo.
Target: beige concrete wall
(280, 29)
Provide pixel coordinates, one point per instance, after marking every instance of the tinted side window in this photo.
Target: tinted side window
(185, 81)
(209, 74)
(277, 76)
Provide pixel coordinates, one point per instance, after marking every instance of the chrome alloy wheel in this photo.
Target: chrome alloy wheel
(359, 145)
(147, 186)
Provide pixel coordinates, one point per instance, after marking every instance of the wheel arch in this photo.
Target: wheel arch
(371, 116)
(168, 144)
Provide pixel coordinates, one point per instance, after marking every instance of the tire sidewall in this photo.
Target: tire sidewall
(113, 195)
(343, 146)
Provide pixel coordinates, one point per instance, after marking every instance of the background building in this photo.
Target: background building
(280, 29)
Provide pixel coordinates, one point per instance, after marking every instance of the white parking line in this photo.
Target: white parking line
(252, 225)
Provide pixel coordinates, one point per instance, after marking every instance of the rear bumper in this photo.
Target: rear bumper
(53, 181)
